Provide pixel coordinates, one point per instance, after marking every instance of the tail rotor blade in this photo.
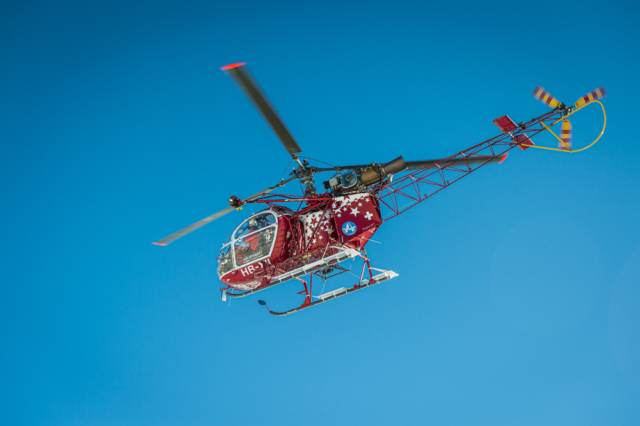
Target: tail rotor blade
(545, 97)
(598, 93)
(565, 135)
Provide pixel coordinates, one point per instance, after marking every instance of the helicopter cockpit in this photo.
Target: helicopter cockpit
(253, 240)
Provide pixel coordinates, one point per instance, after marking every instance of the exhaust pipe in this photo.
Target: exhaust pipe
(378, 172)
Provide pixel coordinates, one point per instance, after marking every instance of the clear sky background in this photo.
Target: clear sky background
(518, 290)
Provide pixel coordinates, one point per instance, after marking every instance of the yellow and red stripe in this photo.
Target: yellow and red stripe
(599, 93)
(545, 97)
(565, 135)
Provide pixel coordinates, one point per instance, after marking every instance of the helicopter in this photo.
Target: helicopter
(318, 232)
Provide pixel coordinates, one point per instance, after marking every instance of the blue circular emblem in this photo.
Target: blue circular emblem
(349, 228)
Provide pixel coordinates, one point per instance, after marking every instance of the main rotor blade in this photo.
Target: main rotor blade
(414, 165)
(250, 87)
(171, 238)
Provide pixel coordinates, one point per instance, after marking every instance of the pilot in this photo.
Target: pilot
(258, 241)
(225, 262)
(252, 240)
(266, 237)
(253, 224)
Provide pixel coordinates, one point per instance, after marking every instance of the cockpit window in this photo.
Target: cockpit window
(227, 240)
(254, 246)
(255, 224)
(225, 260)
(252, 241)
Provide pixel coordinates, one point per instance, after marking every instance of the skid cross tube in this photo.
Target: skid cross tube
(386, 275)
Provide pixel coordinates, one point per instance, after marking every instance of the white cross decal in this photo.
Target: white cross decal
(368, 215)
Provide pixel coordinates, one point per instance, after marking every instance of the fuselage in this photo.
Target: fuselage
(271, 242)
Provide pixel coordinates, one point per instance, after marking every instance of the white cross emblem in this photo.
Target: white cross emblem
(368, 215)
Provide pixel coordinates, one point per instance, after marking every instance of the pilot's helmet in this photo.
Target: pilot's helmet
(253, 223)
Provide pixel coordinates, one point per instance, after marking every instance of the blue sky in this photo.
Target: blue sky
(518, 290)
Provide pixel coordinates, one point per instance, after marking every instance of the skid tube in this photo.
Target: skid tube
(341, 256)
(384, 276)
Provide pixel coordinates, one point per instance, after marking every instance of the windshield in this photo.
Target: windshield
(227, 240)
(254, 246)
(225, 260)
(252, 241)
(255, 223)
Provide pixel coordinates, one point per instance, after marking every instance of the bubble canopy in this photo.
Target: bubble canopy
(250, 242)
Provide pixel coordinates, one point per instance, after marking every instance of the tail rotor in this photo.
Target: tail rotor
(566, 134)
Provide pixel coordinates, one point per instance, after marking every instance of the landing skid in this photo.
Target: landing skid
(384, 276)
(341, 256)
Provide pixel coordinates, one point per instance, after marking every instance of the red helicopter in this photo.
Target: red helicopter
(316, 233)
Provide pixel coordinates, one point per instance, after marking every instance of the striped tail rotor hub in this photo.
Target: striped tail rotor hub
(598, 93)
(545, 97)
